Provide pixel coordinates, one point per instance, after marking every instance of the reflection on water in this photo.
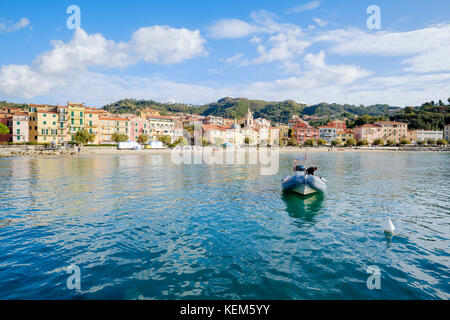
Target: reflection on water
(303, 207)
(139, 226)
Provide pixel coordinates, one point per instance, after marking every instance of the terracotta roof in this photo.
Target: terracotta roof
(389, 122)
(210, 127)
(368, 125)
(113, 119)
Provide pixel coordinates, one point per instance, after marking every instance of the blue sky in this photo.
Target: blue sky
(199, 51)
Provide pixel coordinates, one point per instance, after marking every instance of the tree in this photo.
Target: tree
(362, 143)
(309, 143)
(119, 137)
(421, 142)
(3, 129)
(336, 142)
(142, 139)
(404, 141)
(292, 142)
(247, 141)
(350, 142)
(321, 142)
(431, 141)
(165, 139)
(441, 142)
(390, 143)
(205, 142)
(378, 142)
(84, 137)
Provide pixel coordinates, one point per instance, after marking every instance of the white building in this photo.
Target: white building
(328, 133)
(424, 135)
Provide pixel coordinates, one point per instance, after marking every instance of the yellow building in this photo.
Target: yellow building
(111, 125)
(76, 112)
(43, 123)
(92, 123)
(344, 135)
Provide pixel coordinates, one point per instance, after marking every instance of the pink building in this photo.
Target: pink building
(369, 132)
(20, 132)
(137, 126)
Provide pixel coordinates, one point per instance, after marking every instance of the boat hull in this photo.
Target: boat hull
(304, 185)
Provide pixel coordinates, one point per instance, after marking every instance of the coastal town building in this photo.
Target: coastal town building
(338, 124)
(345, 135)
(425, 135)
(161, 126)
(328, 133)
(137, 127)
(302, 132)
(20, 127)
(368, 132)
(446, 132)
(392, 130)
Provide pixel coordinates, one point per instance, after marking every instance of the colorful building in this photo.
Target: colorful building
(368, 132)
(392, 130)
(161, 126)
(20, 127)
(425, 135)
(338, 124)
(328, 133)
(345, 135)
(302, 132)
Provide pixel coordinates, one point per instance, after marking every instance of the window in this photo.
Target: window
(18, 138)
(72, 113)
(45, 122)
(45, 115)
(18, 123)
(81, 121)
(18, 131)
(90, 115)
(54, 123)
(72, 121)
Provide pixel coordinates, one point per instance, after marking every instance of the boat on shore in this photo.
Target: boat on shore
(303, 181)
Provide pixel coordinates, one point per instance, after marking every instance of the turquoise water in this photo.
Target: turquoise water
(140, 227)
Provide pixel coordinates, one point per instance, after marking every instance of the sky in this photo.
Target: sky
(200, 51)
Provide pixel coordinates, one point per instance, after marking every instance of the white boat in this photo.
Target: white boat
(303, 181)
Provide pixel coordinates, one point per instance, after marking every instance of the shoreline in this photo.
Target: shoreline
(26, 152)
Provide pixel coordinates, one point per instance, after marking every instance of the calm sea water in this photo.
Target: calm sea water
(140, 227)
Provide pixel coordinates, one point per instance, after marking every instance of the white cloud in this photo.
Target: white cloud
(84, 51)
(162, 44)
(11, 26)
(320, 22)
(236, 58)
(69, 62)
(425, 50)
(435, 60)
(304, 7)
(158, 44)
(231, 29)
